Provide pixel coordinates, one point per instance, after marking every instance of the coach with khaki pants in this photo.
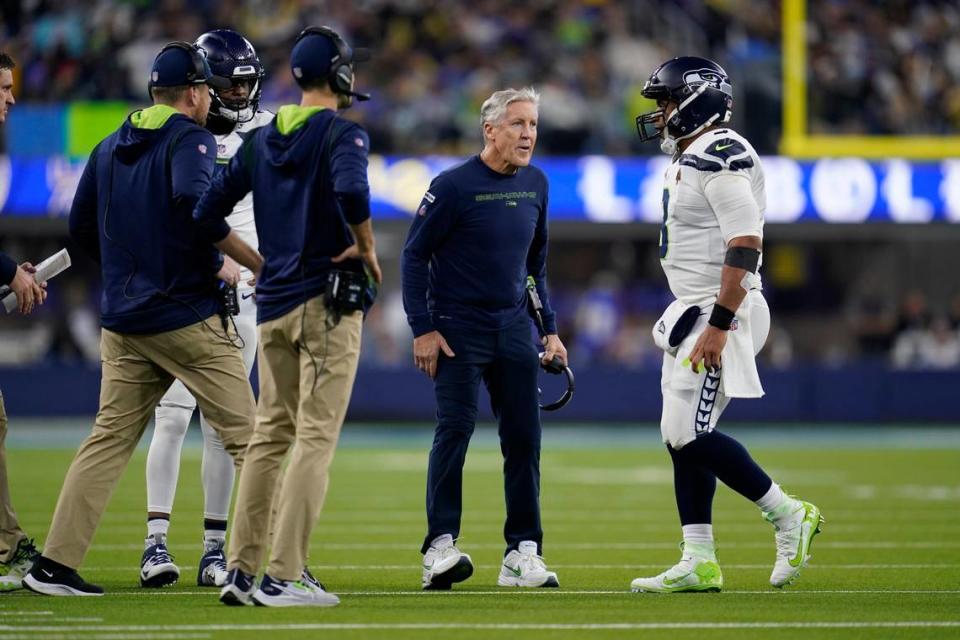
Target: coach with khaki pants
(311, 200)
(133, 214)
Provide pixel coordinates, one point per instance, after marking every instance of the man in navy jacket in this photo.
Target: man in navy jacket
(311, 201)
(133, 214)
(17, 552)
(480, 230)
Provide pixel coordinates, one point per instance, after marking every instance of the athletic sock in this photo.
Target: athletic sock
(214, 533)
(778, 506)
(773, 499)
(158, 526)
(698, 541)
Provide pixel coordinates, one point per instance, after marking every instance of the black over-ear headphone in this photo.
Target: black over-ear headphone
(340, 75)
(199, 73)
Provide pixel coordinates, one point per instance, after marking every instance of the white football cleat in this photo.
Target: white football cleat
(795, 534)
(697, 570)
(522, 567)
(212, 571)
(156, 565)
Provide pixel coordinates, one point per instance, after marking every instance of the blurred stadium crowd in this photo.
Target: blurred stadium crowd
(883, 68)
(433, 62)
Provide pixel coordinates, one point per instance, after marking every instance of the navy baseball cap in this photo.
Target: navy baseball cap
(315, 52)
(181, 63)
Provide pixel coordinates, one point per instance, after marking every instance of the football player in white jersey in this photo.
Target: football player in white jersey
(234, 114)
(710, 250)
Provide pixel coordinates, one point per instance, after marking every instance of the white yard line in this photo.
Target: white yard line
(555, 592)
(913, 624)
(104, 636)
(612, 567)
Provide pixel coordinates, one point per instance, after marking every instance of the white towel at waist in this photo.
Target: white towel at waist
(747, 335)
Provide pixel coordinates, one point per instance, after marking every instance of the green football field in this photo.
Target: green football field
(886, 565)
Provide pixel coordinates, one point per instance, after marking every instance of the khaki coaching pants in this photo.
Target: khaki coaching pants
(297, 409)
(137, 371)
(10, 532)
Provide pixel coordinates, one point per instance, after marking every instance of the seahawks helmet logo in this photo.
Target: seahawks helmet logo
(700, 76)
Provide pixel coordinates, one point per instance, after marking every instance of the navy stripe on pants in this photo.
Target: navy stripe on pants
(507, 362)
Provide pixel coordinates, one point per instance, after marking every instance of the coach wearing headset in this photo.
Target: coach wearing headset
(311, 200)
(132, 213)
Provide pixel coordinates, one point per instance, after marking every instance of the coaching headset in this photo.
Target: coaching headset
(200, 74)
(340, 73)
(557, 365)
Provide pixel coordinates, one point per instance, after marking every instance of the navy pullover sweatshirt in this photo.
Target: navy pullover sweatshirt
(132, 213)
(476, 237)
(302, 201)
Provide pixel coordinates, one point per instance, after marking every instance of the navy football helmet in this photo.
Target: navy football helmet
(232, 56)
(702, 92)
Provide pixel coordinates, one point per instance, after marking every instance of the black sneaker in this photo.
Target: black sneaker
(50, 579)
(238, 590)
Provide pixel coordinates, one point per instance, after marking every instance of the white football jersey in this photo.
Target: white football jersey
(241, 219)
(696, 223)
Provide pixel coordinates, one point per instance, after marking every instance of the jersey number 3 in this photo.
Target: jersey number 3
(663, 229)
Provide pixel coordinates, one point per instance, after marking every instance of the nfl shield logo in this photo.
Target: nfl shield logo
(422, 211)
(202, 148)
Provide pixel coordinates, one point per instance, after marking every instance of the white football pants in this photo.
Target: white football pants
(172, 419)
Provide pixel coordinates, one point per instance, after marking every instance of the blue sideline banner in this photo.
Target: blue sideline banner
(600, 188)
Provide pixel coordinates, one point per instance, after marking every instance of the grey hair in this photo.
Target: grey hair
(495, 107)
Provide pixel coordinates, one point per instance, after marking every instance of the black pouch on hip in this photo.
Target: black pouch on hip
(684, 325)
(345, 291)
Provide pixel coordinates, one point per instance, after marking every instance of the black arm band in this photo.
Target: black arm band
(721, 317)
(742, 258)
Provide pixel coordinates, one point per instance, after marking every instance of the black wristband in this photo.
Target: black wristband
(721, 317)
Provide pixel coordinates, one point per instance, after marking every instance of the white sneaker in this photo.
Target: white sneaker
(697, 570)
(156, 565)
(292, 593)
(796, 530)
(522, 567)
(444, 564)
(238, 589)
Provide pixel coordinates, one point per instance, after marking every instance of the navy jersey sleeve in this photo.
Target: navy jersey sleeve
(8, 268)
(191, 166)
(537, 263)
(349, 172)
(83, 212)
(227, 189)
(435, 218)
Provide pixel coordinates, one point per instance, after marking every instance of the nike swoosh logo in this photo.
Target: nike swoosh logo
(46, 573)
(673, 581)
(726, 146)
(244, 296)
(515, 572)
(797, 559)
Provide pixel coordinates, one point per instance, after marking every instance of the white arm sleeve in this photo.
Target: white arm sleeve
(731, 198)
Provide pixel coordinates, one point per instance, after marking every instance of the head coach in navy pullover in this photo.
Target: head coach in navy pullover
(311, 202)
(480, 230)
(133, 214)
